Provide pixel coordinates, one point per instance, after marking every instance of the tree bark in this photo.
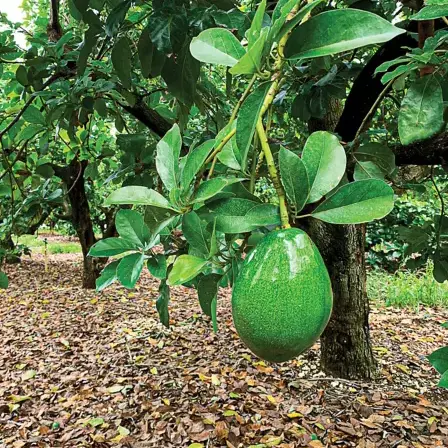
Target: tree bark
(73, 176)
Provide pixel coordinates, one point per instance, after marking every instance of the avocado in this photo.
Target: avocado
(282, 299)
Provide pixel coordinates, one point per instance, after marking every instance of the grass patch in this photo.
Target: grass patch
(407, 289)
(64, 248)
(37, 245)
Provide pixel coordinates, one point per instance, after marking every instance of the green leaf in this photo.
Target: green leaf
(167, 159)
(279, 16)
(300, 107)
(439, 359)
(137, 195)
(251, 62)
(440, 272)
(81, 5)
(129, 269)
(90, 40)
(168, 29)
(288, 26)
(158, 218)
(212, 187)
(254, 32)
(355, 28)
(247, 120)
(145, 51)
(28, 132)
(207, 291)
(108, 276)
(116, 17)
(94, 422)
(357, 202)
(46, 171)
(110, 247)
(377, 153)
(162, 304)
(181, 75)
(185, 268)
(132, 143)
(325, 161)
(101, 107)
(217, 46)
(400, 70)
(421, 112)
(131, 226)
(34, 115)
(22, 75)
(121, 60)
(196, 234)
(235, 215)
(230, 155)
(294, 179)
(151, 59)
(232, 20)
(4, 282)
(157, 266)
(444, 380)
(431, 12)
(194, 162)
(367, 170)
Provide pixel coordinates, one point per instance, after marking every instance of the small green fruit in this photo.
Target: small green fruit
(282, 299)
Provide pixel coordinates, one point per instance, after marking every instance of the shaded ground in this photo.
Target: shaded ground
(81, 369)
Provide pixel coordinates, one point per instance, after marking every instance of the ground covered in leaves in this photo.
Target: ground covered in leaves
(79, 368)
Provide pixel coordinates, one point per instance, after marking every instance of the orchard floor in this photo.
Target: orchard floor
(79, 369)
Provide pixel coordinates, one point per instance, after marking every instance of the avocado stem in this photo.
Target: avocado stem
(273, 174)
(243, 97)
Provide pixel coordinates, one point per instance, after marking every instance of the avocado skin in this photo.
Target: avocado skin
(282, 299)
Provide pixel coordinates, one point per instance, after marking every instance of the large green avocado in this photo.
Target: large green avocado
(282, 299)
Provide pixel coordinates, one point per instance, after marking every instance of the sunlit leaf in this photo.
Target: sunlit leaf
(357, 202)
(217, 46)
(355, 28)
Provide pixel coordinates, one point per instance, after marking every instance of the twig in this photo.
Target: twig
(76, 180)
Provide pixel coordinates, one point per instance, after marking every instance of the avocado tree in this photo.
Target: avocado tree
(245, 87)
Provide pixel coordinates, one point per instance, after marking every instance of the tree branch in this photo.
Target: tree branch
(54, 29)
(148, 116)
(368, 86)
(429, 152)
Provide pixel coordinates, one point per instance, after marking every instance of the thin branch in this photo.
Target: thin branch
(372, 110)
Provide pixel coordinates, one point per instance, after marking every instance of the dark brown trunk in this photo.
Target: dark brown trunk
(346, 347)
(8, 245)
(73, 176)
(82, 222)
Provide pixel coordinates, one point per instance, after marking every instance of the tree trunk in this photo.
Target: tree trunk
(73, 176)
(8, 245)
(346, 347)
